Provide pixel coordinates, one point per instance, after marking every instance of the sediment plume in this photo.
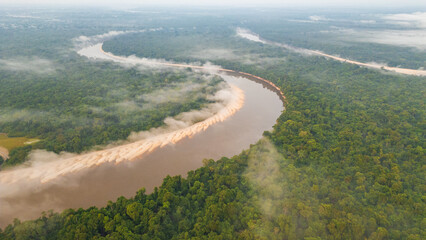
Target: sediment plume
(247, 34)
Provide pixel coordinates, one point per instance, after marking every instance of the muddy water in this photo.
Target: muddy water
(98, 185)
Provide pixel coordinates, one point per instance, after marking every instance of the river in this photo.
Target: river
(99, 183)
(247, 34)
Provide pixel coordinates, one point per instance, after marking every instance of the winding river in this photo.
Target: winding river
(247, 34)
(95, 178)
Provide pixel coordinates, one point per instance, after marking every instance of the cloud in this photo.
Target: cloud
(172, 93)
(415, 20)
(301, 21)
(91, 47)
(413, 34)
(221, 99)
(175, 92)
(43, 166)
(232, 55)
(404, 38)
(227, 3)
(247, 34)
(268, 183)
(10, 115)
(95, 52)
(215, 53)
(28, 64)
(23, 16)
(367, 21)
(316, 18)
(408, 38)
(85, 41)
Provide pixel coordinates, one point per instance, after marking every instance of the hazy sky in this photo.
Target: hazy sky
(259, 3)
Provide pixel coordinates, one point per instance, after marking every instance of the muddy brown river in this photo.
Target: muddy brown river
(97, 185)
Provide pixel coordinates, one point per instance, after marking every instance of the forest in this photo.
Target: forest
(71, 103)
(344, 161)
(348, 33)
(86, 106)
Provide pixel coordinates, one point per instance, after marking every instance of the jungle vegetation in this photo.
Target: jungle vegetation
(344, 161)
(71, 103)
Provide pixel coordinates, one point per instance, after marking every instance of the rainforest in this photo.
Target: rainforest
(193, 123)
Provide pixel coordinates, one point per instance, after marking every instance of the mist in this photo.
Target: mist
(251, 36)
(405, 38)
(223, 3)
(232, 55)
(413, 35)
(46, 168)
(82, 41)
(404, 30)
(412, 20)
(28, 64)
(247, 34)
(269, 184)
(264, 174)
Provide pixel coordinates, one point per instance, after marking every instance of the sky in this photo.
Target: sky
(247, 3)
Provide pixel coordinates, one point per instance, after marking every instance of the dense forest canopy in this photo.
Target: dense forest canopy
(72, 103)
(344, 161)
(92, 105)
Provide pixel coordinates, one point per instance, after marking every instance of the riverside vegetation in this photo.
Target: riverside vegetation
(344, 161)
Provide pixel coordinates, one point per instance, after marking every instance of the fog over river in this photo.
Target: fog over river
(247, 34)
(244, 111)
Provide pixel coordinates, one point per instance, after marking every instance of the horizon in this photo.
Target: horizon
(306, 4)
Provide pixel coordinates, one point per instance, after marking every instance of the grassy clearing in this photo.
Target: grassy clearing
(13, 142)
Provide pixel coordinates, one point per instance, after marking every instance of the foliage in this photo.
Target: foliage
(350, 168)
(90, 104)
(210, 203)
(346, 162)
(71, 103)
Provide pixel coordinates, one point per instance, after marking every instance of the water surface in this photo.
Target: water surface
(98, 185)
